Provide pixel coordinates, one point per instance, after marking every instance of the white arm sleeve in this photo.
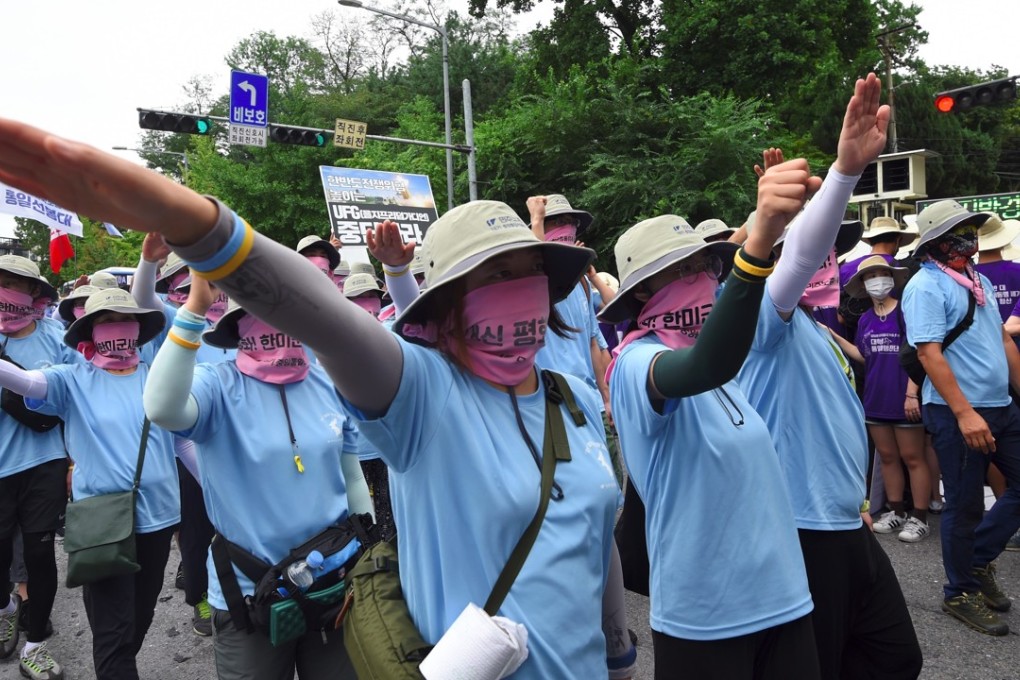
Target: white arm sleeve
(167, 397)
(359, 501)
(31, 384)
(403, 289)
(143, 286)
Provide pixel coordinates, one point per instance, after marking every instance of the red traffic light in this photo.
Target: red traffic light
(944, 103)
(982, 94)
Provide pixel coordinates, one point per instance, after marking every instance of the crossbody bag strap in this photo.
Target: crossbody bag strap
(141, 453)
(554, 447)
(964, 324)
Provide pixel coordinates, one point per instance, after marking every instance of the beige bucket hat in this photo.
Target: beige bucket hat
(611, 281)
(174, 264)
(358, 284)
(66, 307)
(151, 321)
(25, 268)
(342, 269)
(888, 225)
(940, 217)
(557, 204)
(713, 227)
(996, 233)
(417, 264)
(467, 236)
(855, 286)
(103, 280)
(332, 254)
(650, 247)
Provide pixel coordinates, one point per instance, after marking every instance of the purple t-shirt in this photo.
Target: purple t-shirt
(1005, 278)
(885, 382)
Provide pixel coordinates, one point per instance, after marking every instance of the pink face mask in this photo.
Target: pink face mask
(322, 263)
(269, 355)
(823, 289)
(218, 308)
(40, 306)
(78, 312)
(370, 303)
(505, 327)
(114, 345)
(562, 234)
(17, 310)
(175, 296)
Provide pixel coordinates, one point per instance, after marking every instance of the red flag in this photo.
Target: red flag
(60, 249)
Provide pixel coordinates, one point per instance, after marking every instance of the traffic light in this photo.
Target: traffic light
(982, 94)
(293, 135)
(174, 122)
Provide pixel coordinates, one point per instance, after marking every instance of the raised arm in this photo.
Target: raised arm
(143, 284)
(386, 245)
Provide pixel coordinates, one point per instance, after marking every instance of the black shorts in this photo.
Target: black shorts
(34, 499)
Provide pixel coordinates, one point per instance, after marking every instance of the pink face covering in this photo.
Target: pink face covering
(823, 289)
(114, 345)
(269, 355)
(370, 303)
(40, 305)
(218, 308)
(78, 312)
(322, 263)
(175, 296)
(17, 310)
(675, 314)
(505, 327)
(562, 234)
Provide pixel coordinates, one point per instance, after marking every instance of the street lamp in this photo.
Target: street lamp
(184, 156)
(441, 30)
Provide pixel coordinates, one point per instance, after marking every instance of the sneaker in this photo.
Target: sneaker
(39, 664)
(888, 522)
(1013, 545)
(9, 629)
(972, 610)
(990, 589)
(914, 530)
(201, 622)
(179, 579)
(936, 507)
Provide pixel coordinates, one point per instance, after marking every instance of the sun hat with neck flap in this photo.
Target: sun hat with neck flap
(150, 321)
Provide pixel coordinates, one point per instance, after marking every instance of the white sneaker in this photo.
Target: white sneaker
(914, 530)
(888, 522)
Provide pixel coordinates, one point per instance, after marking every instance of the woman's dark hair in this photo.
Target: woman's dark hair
(886, 238)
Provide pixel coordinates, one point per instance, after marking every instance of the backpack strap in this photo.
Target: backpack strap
(964, 324)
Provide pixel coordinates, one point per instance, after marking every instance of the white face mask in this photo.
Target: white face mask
(879, 287)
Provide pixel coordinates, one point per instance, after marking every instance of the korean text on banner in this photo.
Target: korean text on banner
(358, 200)
(20, 204)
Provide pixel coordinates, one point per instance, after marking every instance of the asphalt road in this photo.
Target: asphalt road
(951, 651)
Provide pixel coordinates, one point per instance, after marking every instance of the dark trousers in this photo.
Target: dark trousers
(970, 537)
(378, 477)
(120, 609)
(196, 535)
(862, 626)
(777, 653)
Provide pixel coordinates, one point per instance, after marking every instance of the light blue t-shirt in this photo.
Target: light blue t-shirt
(254, 492)
(465, 486)
(724, 553)
(22, 448)
(572, 355)
(794, 380)
(933, 304)
(147, 352)
(103, 417)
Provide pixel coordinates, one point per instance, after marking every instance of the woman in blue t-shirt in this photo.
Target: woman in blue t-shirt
(729, 593)
(892, 406)
(101, 404)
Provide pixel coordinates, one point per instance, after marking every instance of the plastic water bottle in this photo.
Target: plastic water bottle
(303, 572)
(338, 559)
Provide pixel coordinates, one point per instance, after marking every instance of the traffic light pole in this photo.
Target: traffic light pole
(887, 55)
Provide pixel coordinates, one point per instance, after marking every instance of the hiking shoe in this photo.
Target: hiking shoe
(972, 610)
(9, 629)
(201, 622)
(914, 530)
(936, 507)
(1013, 545)
(888, 523)
(39, 664)
(179, 579)
(23, 620)
(990, 589)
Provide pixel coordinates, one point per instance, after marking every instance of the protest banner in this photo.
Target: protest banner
(359, 199)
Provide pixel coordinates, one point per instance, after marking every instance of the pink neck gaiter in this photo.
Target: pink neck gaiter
(17, 310)
(564, 234)
(675, 314)
(968, 278)
(370, 303)
(218, 308)
(114, 345)
(175, 296)
(269, 355)
(823, 289)
(322, 263)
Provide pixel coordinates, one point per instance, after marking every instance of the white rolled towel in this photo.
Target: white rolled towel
(477, 647)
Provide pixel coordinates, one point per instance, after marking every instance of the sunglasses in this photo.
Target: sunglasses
(691, 267)
(562, 221)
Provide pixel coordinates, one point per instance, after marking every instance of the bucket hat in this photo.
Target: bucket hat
(938, 218)
(468, 235)
(332, 254)
(713, 227)
(25, 268)
(611, 281)
(650, 247)
(151, 321)
(103, 280)
(855, 286)
(224, 333)
(357, 284)
(888, 225)
(342, 269)
(849, 235)
(996, 233)
(174, 264)
(557, 204)
(66, 307)
(417, 264)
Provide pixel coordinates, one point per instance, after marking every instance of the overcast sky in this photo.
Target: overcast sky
(81, 69)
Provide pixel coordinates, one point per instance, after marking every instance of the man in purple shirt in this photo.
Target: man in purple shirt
(885, 236)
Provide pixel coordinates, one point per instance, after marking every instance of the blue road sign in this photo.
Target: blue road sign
(249, 99)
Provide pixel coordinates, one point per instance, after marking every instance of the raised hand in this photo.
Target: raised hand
(782, 191)
(387, 245)
(865, 124)
(154, 247)
(91, 182)
(769, 157)
(201, 296)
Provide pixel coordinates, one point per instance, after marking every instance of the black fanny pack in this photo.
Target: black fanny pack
(14, 404)
(278, 609)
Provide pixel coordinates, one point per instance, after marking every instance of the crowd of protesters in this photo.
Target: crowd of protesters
(273, 400)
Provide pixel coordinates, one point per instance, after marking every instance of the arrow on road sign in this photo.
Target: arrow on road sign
(250, 89)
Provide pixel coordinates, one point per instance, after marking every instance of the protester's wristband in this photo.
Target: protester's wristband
(231, 255)
(397, 272)
(188, 325)
(182, 342)
(751, 269)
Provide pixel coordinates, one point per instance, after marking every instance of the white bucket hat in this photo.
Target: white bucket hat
(66, 307)
(174, 264)
(713, 227)
(470, 234)
(417, 264)
(611, 281)
(650, 247)
(151, 321)
(357, 284)
(996, 233)
(557, 204)
(888, 225)
(103, 280)
(855, 286)
(332, 254)
(25, 268)
(938, 218)
(342, 269)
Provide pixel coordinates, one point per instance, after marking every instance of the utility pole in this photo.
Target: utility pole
(887, 55)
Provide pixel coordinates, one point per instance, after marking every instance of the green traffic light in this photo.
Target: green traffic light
(202, 125)
(320, 139)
